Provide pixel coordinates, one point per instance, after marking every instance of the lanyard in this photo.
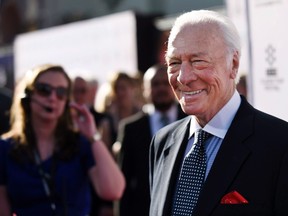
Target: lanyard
(46, 179)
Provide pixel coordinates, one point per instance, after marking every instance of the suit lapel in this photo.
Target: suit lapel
(170, 156)
(228, 161)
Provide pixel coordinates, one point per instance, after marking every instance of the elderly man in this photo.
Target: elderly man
(226, 157)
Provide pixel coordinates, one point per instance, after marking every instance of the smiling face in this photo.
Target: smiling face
(201, 71)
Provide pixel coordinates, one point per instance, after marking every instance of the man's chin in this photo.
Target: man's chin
(189, 110)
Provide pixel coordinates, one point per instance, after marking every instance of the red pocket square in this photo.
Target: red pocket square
(233, 198)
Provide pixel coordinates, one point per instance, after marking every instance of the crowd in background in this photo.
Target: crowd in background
(121, 109)
(178, 139)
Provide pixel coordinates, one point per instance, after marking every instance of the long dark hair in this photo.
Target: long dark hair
(22, 132)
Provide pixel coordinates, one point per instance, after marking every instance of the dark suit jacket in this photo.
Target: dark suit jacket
(135, 137)
(253, 160)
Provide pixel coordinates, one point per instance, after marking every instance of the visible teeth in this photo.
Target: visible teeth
(194, 92)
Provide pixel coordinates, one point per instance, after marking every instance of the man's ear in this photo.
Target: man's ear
(235, 65)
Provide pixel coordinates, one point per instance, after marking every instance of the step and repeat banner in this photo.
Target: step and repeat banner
(263, 28)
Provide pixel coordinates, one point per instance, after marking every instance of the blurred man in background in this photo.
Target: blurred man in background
(134, 137)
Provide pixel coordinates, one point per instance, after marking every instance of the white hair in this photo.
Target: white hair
(225, 26)
(228, 29)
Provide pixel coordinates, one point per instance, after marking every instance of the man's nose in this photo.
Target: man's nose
(186, 74)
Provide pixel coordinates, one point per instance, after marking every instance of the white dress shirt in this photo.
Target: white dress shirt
(217, 126)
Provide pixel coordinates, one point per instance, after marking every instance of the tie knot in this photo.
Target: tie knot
(202, 136)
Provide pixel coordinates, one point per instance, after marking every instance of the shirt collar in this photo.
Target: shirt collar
(219, 124)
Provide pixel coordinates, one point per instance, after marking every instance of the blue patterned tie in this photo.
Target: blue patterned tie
(191, 178)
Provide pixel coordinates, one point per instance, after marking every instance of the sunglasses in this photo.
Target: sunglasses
(46, 90)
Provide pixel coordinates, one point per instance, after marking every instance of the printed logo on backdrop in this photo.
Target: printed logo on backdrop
(266, 2)
(272, 81)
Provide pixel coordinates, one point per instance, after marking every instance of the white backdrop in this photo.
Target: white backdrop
(269, 36)
(92, 48)
(236, 10)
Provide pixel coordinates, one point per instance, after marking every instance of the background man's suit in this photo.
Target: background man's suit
(250, 160)
(135, 136)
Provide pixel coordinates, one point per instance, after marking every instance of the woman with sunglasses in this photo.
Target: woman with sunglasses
(50, 154)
